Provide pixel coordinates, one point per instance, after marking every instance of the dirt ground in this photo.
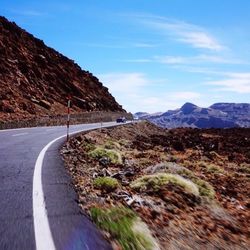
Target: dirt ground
(217, 161)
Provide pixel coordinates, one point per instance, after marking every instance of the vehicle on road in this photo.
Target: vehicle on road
(121, 119)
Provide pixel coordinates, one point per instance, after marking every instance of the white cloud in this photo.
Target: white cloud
(199, 39)
(184, 32)
(163, 101)
(171, 59)
(185, 95)
(131, 91)
(102, 45)
(137, 60)
(151, 104)
(32, 13)
(203, 58)
(234, 82)
(123, 45)
(187, 60)
(144, 45)
(124, 82)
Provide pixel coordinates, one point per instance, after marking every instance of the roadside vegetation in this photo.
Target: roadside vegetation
(150, 188)
(107, 184)
(112, 155)
(125, 227)
(156, 181)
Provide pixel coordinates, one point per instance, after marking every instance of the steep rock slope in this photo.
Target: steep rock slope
(219, 115)
(35, 80)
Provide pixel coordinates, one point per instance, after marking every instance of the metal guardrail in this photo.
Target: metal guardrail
(86, 117)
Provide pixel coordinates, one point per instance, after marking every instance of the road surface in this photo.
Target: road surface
(38, 206)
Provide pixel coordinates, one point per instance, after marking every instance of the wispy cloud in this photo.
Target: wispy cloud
(234, 82)
(144, 45)
(111, 45)
(31, 13)
(124, 82)
(102, 45)
(131, 89)
(184, 32)
(186, 61)
(142, 60)
(185, 95)
(203, 58)
(162, 102)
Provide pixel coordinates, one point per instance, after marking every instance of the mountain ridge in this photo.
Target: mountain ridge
(218, 115)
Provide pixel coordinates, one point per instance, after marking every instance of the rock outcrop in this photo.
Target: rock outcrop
(36, 80)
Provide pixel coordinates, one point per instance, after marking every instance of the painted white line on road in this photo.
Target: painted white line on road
(51, 129)
(20, 134)
(43, 236)
(15, 129)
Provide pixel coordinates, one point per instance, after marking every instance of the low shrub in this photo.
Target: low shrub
(112, 145)
(156, 181)
(205, 189)
(244, 168)
(123, 226)
(113, 155)
(88, 146)
(211, 168)
(105, 183)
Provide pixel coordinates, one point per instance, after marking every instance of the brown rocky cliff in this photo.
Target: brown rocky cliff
(35, 80)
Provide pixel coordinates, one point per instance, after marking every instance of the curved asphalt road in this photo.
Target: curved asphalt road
(69, 229)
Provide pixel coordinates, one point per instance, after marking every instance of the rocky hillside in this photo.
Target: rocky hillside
(35, 80)
(151, 188)
(219, 115)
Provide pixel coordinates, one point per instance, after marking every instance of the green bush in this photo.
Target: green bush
(112, 145)
(205, 189)
(156, 181)
(119, 222)
(186, 173)
(211, 168)
(105, 183)
(88, 146)
(112, 155)
(244, 168)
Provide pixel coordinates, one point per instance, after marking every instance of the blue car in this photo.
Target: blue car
(121, 119)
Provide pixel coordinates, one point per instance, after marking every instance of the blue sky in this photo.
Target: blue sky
(152, 55)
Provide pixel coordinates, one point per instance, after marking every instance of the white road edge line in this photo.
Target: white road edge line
(20, 134)
(43, 236)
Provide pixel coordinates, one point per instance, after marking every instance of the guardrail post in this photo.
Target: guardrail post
(68, 119)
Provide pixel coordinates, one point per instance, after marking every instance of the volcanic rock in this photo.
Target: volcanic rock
(36, 80)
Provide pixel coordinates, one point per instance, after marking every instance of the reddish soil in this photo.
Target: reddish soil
(176, 218)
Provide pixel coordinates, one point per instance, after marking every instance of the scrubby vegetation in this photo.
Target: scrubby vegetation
(205, 189)
(121, 222)
(88, 146)
(112, 145)
(106, 183)
(244, 168)
(156, 181)
(196, 198)
(112, 155)
(209, 167)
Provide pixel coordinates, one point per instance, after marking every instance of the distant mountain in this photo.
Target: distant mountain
(145, 115)
(141, 114)
(219, 115)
